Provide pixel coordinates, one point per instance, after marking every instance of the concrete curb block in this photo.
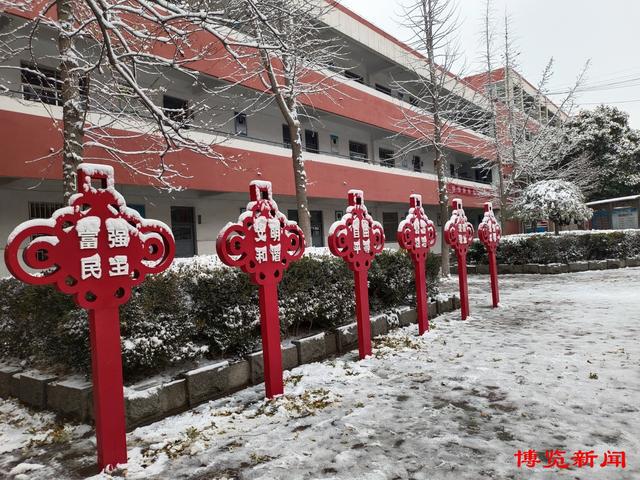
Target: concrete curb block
(72, 398)
(557, 268)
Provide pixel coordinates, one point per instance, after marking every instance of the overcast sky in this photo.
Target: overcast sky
(570, 31)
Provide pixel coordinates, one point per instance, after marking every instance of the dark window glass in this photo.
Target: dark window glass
(286, 136)
(383, 89)
(41, 84)
(311, 141)
(386, 157)
(177, 109)
(241, 124)
(184, 230)
(354, 76)
(417, 163)
(358, 151)
(390, 225)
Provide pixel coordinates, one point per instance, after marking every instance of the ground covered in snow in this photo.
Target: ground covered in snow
(557, 367)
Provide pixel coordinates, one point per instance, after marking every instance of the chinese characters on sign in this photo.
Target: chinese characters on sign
(417, 234)
(458, 233)
(97, 250)
(357, 238)
(580, 458)
(489, 233)
(263, 244)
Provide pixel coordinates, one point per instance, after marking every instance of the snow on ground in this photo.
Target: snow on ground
(555, 368)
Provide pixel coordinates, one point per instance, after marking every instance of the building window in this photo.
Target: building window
(383, 89)
(386, 157)
(138, 207)
(335, 143)
(358, 151)
(452, 169)
(241, 124)
(286, 136)
(317, 226)
(43, 209)
(177, 109)
(354, 76)
(390, 225)
(41, 84)
(417, 163)
(184, 231)
(311, 141)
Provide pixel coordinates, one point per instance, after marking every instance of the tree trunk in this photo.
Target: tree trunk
(300, 179)
(73, 107)
(556, 228)
(438, 162)
(443, 209)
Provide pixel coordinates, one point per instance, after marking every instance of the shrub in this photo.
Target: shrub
(568, 247)
(196, 309)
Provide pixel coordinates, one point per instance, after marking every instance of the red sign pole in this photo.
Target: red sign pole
(97, 250)
(417, 234)
(490, 233)
(108, 399)
(459, 235)
(357, 238)
(263, 243)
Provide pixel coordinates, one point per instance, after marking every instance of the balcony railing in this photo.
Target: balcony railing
(194, 127)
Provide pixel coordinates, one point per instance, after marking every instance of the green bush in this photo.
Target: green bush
(193, 311)
(568, 247)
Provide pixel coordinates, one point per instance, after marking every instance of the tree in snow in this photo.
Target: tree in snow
(112, 64)
(297, 57)
(603, 135)
(559, 201)
(529, 133)
(440, 103)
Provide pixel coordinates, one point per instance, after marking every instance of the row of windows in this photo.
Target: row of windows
(44, 85)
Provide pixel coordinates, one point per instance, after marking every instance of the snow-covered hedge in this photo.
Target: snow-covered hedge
(545, 248)
(198, 308)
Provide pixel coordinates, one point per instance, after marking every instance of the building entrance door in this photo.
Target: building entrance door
(184, 230)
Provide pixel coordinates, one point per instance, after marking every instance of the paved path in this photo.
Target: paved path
(557, 367)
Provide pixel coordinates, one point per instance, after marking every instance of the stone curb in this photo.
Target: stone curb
(72, 399)
(556, 268)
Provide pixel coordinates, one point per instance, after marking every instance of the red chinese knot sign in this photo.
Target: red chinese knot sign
(357, 238)
(263, 243)
(458, 234)
(417, 235)
(489, 233)
(95, 249)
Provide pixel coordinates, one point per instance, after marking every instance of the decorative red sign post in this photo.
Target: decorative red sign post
(459, 235)
(357, 238)
(417, 234)
(96, 249)
(263, 244)
(489, 233)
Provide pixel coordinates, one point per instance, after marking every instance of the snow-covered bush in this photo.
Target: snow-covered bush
(560, 201)
(316, 292)
(195, 309)
(547, 248)
(224, 307)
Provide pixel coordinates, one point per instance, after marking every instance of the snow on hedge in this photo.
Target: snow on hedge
(556, 200)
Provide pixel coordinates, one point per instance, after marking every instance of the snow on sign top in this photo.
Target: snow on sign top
(263, 243)
(489, 231)
(458, 232)
(416, 233)
(90, 249)
(357, 238)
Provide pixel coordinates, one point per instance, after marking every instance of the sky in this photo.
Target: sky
(569, 31)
